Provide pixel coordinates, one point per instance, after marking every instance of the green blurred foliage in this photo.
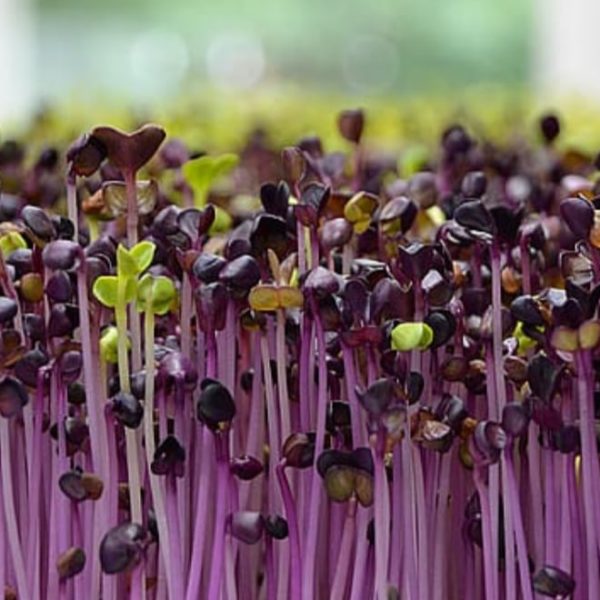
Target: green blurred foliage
(218, 122)
(399, 45)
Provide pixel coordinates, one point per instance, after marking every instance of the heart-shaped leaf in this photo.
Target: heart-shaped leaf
(130, 151)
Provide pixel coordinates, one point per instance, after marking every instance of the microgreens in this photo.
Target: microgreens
(357, 381)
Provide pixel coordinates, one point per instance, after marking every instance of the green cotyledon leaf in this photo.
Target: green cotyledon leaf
(156, 294)
(106, 290)
(411, 336)
(202, 173)
(143, 253)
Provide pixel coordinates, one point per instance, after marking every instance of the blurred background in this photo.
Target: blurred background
(146, 52)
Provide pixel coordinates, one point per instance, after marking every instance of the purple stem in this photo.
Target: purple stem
(316, 491)
(396, 549)
(175, 559)
(218, 555)
(271, 578)
(12, 532)
(512, 498)
(382, 517)
(203, 484)
(305, 353)
(535, 489)
(489, 564)
(589, 457)
(566, 542)
(440, 528)
(292, 519)
(550, 493)
(360, 556)
(410, 581)
(340, 579)
(98, 436)
(35, 483)
(356, 415)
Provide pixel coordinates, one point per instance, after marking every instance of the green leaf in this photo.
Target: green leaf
(144, 292)
(106, 290)
(143, 253)
(10, 242)
(109, 345)
(524, 342)
(127, 265)
(156, 294)
(164, 294)
(224, 164)
(203, 172)
(410, 336)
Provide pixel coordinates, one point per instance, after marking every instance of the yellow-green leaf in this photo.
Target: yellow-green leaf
(202, 173)
(565, 339)
(362, 226)
(155, 294)
(523, 340)
(105, 290)
(109, 343)
(360, 207)
(10, 242)
(163, 294)
(143, 253)
(411, 336)
(589, 334)
(290, 297)
(127, 265)
(264, 298)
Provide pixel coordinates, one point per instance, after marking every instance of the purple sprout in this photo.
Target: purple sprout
(368, 387)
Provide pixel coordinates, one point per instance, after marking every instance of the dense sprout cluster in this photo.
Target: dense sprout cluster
(294, 374)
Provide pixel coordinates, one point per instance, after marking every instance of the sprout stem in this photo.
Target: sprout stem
(490, 568)
(10, 514)
(316, 486)
(282, 387)
(98, 436)
(340, 579)
(512, 499)
(155, 483)
(72, 203)
(218, 549)
(589, 456)
(203, 485)
(382, 518)
(295, 592)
